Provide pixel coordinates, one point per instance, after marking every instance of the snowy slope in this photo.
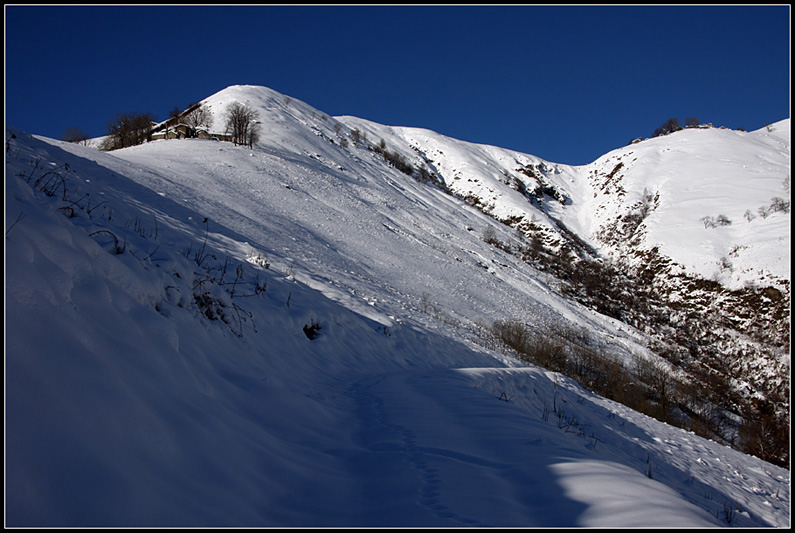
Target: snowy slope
(699, 220)
(343, 220)
(694, 173)
(160, 301)
(697, 173)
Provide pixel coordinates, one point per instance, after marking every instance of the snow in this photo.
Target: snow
(708, 173)
(126, 406)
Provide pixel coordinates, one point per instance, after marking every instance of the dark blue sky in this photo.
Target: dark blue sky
(567, 84)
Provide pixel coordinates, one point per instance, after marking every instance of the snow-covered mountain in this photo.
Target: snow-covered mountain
(305, 332)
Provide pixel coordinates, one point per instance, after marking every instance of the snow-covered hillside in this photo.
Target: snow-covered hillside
(203, 334)
(709, 194)
(692, 174)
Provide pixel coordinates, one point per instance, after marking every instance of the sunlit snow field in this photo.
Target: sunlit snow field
(127, 404)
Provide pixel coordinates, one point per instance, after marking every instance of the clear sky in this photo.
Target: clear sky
(564, 83)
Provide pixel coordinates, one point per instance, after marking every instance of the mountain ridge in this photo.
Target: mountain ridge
(260, 335)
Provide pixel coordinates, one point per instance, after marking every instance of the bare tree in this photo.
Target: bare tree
(174, 114)
(75, 135)
(128, 129)
(357, 136)
(198, 117)
(671, 125)
(241, 124)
